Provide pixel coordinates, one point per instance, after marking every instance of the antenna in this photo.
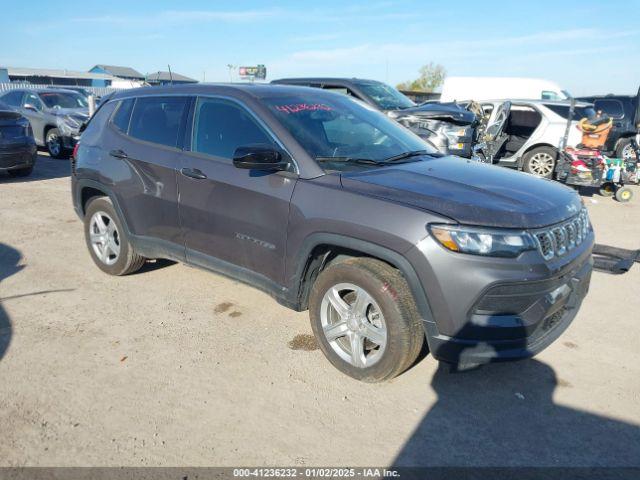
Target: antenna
(170, 74)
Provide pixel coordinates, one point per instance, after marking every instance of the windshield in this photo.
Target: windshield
(63, 100)
(385, 96)
(341, 133)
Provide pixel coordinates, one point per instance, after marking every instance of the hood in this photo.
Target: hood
(78, 113)
(450, 112)
(469, 192)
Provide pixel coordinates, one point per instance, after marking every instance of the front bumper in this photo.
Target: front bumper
(23, 156)
(491, 309)
(550, 318)
(69, 141)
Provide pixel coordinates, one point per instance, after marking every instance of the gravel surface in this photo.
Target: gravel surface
(178, 366)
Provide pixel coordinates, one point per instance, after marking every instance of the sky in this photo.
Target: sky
(588, 47)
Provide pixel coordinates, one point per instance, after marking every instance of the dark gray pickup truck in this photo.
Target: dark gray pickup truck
(332, 207)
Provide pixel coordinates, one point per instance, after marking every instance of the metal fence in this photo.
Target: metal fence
(99, 91)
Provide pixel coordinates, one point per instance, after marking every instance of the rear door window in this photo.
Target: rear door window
(612, 108)
(221, 126)
(158, 119)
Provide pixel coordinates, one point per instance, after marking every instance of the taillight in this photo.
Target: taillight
(75, 151)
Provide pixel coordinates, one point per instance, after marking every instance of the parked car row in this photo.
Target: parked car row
(55, 115)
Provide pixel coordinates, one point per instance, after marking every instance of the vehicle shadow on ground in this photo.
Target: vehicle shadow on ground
(503, 415)
(9, 259)
(154, 264)
(46, 168)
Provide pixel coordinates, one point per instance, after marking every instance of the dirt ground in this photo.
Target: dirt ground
(178, 366)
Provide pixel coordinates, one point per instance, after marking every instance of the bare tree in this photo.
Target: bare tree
(431, 77)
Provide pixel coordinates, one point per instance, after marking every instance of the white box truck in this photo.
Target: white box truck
(491, 88)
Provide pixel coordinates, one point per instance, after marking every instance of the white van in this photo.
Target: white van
(486, 88)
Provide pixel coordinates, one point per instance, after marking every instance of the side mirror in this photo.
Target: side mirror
(259, 157)
(30, 106)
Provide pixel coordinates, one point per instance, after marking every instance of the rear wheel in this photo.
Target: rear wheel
(625, 150)
(540, 161)
(607, 189)
(107, 240)
(365, 320)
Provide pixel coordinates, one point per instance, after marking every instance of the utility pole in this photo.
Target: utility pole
(230, 67)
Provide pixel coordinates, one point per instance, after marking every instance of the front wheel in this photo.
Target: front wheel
(55, 145)
(365, 319)
(540, 161)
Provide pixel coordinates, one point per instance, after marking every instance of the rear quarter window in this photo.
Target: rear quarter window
(578, 114)
(91, 134)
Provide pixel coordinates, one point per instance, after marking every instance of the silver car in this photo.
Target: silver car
(56, 116)
(528, 134)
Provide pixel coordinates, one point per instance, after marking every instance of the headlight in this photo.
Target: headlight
(68, 125)
(71, 122)
(481, 241)
(454, 135)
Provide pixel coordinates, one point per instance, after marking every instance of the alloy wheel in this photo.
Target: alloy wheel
(104, 238)
(353, 324)
(54, 144)
(628, 153)
(542, 164)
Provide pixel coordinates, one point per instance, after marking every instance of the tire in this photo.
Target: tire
(109, 247)
(21, 172)
(607, 189)
(53, 142)
(387, 301)
(624, 149)
(624, 194)
(540, 161)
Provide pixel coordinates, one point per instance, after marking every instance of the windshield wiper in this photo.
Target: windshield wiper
(365, 161)
(405, 155)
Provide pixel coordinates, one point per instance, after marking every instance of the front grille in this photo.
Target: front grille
(560, 239)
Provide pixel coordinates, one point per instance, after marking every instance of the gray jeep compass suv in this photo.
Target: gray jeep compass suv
(332, 207)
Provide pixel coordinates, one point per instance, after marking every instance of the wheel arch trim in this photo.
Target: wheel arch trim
(368, 248)
(80, 208)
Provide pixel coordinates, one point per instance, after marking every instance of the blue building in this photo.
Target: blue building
(124, 73)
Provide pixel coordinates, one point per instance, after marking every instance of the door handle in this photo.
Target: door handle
(193, 173)
(118, 154)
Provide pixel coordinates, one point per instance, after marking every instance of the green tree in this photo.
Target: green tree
(431, 77)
